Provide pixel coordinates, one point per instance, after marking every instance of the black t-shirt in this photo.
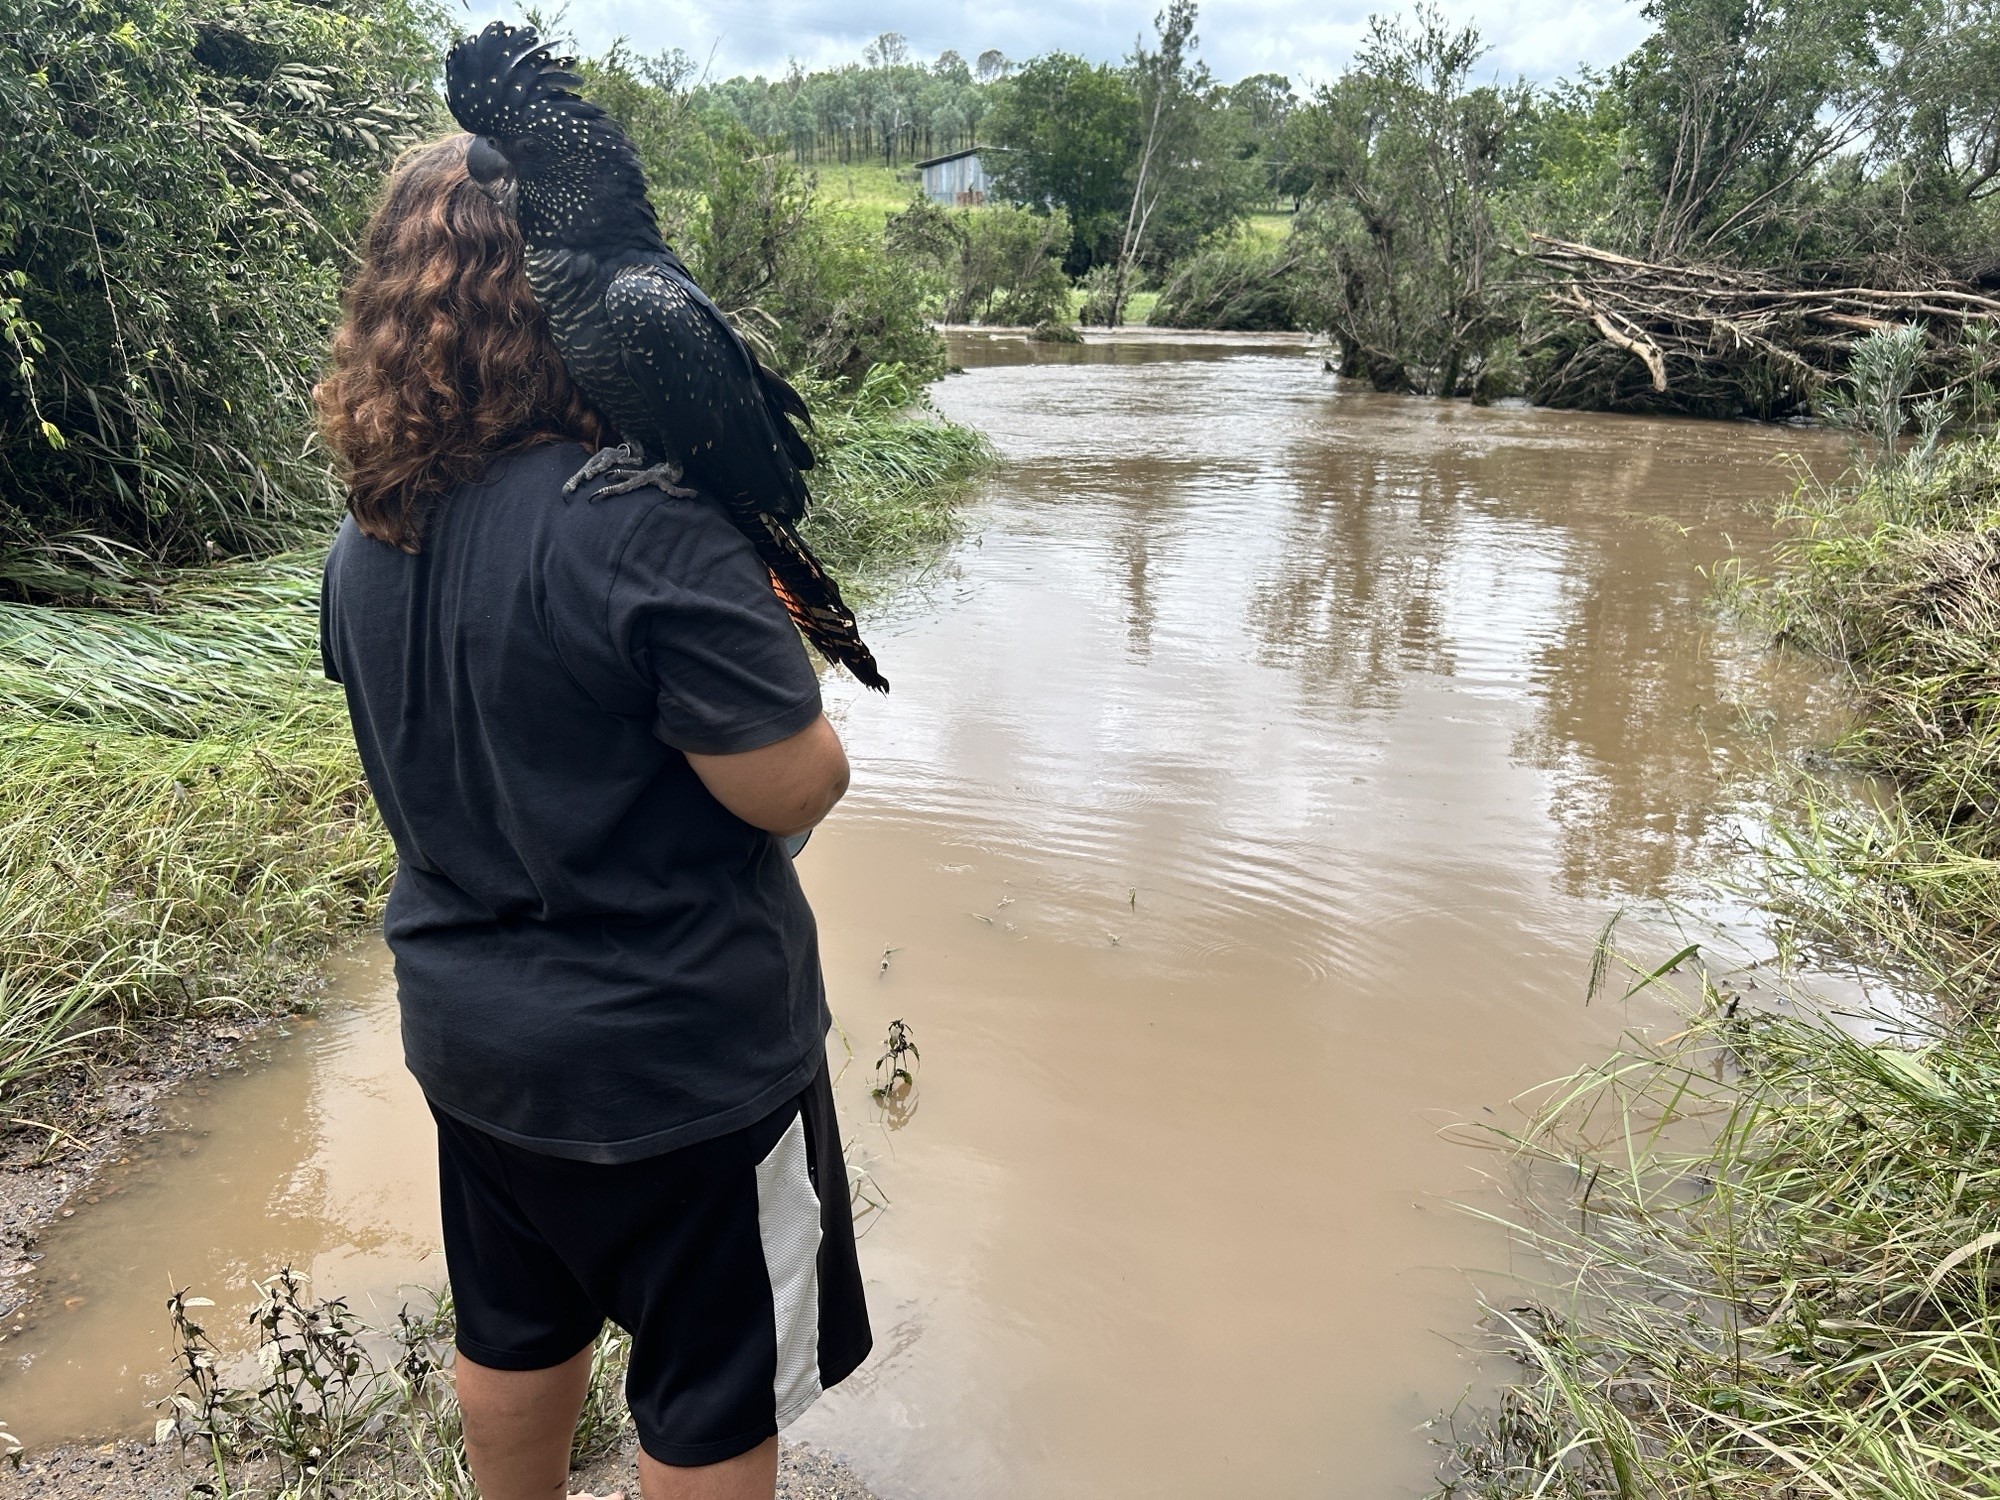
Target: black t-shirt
(595, 958)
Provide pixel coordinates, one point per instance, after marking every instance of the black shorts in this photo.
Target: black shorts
(730, 1262)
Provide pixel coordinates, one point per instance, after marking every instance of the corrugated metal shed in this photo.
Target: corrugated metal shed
(956, 180)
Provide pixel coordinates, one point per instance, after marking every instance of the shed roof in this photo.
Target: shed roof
(938, 161)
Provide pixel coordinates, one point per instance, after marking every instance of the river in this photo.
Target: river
(1259, 770)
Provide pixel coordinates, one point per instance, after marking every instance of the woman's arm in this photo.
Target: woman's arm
(785, 788)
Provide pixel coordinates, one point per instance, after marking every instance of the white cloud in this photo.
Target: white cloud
(1307, 40)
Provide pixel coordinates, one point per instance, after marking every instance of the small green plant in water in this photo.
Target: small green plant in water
(892, 1073)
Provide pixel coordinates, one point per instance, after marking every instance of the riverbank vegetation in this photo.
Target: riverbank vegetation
(1705, 227)
(1781, 1233)
(183, 825)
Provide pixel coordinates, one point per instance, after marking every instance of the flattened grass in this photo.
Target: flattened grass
(888, 487)
(1897, 579)
(1781, 1243)
(183, 823)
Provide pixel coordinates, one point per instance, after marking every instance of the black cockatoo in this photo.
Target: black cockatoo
(643, 342)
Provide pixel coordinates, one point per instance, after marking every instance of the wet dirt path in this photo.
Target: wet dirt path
(1257, 775)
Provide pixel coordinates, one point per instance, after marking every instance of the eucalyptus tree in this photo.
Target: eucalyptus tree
(1170, 84)
(1734, 105)
(1066, 131)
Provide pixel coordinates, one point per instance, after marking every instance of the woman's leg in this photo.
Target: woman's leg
(748, 1476)
(518, 1426)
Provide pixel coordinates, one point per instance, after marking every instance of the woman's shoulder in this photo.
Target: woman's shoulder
(540, 470)
(644, 531)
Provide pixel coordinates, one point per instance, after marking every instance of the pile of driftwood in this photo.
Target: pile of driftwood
(1708, 338)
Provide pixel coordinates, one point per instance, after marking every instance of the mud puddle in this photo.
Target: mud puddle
(1257, 776)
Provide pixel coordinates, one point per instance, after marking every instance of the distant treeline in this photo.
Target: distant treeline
(1846, 145)
(1760, 184)
(887, 108)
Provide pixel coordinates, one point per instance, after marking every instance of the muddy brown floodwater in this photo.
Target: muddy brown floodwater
(1258, 772)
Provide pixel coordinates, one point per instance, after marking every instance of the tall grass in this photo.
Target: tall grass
(184, 825)
(1782, 1243)
(1896, 578)
(892, 474)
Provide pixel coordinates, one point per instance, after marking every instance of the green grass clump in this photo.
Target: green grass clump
(891, 476)
(183, 821)
(1896, 577)
(1781, 1246)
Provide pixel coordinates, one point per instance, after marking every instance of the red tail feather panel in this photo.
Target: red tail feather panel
(811, 596)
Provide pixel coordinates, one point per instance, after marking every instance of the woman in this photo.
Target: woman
(588, 726)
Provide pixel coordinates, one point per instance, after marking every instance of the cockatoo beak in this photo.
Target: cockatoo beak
(485, 163)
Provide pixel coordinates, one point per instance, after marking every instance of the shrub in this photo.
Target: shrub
(178, 185)
(1000, 264)
(1249, 288)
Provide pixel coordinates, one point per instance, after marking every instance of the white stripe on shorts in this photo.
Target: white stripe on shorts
(788, 1224)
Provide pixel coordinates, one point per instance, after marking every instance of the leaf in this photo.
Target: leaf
(1664, 969)
(1958, 1258)
(1911, 1066)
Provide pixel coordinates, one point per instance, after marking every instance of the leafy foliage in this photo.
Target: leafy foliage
(1066, 131)
(1400, 236)
(1249, 288)
(999, 264)
(819, 292)
(1826, 143)
(180, 184)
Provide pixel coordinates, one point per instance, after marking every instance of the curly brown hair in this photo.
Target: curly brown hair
(443, 360)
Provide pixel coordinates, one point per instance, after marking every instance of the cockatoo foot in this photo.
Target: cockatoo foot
(662, 477)
(627, 466)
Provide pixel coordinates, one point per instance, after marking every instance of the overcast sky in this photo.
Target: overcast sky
(1307, 40)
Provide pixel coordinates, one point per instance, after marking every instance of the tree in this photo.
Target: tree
(1255, 113)
(1066, 130)
(889, 50)
(180, 185)
(1934, 127)
(998, 264)
(1169, 85)
(1733, 105)
(1400, 222)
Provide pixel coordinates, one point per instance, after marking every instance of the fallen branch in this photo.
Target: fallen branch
(1716, 327)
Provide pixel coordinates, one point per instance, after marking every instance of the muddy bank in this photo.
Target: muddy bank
(139, 1471)
(90, 1120)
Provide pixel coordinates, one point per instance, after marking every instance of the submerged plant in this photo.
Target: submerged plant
(892, 1073)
